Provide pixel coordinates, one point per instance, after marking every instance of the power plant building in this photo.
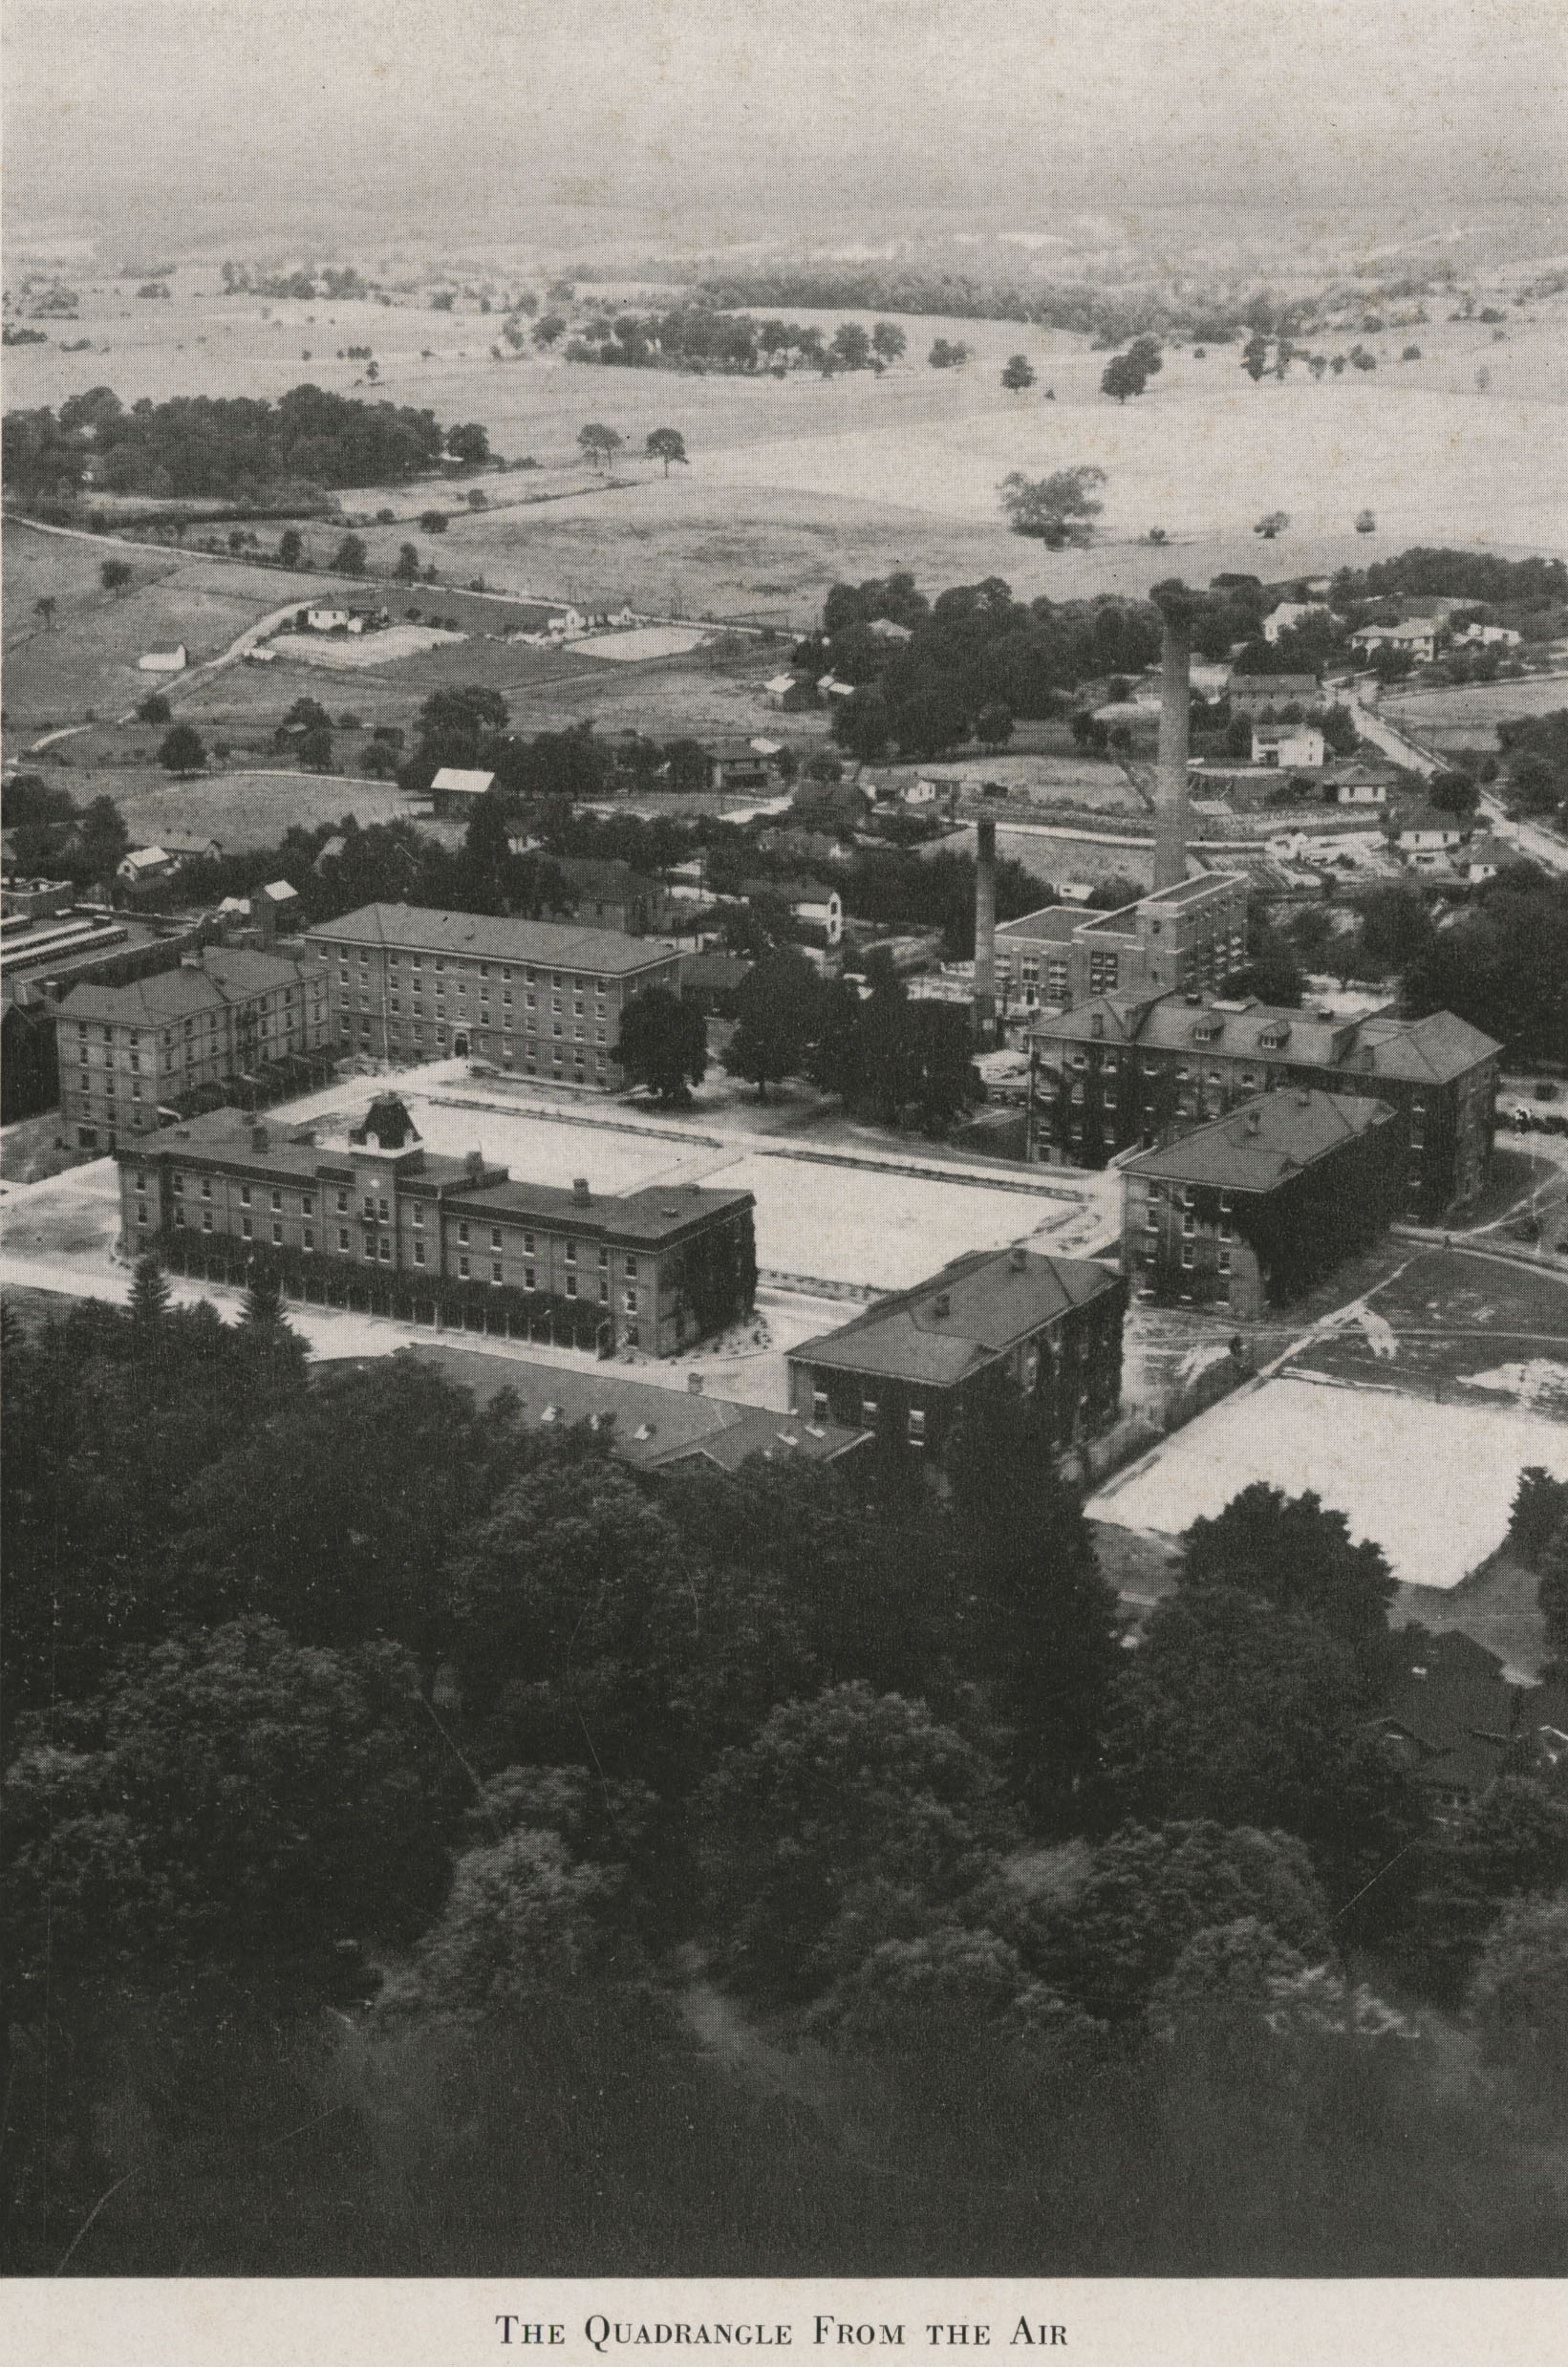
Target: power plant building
(1187, 939)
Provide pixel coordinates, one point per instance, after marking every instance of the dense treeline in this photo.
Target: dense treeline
(1108, 315)
(233, 447)
(307, 1675)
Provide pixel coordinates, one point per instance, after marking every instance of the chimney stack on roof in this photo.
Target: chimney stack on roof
(1018, 1257)
(473, 1165)
(580, 1193)
(258, 1138)
(942, 1303)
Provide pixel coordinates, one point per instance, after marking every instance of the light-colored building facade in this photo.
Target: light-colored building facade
(1287, 744)
(1190, 936)
(222, 1015)
(405, 985)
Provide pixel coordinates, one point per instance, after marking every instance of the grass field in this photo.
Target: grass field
(247, 809)
(795, 484)
(1467, 715)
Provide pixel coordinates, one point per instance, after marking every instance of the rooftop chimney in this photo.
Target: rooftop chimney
(473, 1163)
(1018, 1257)
(580, 1193)
(693, 1382)
(258, 1138)
(985, 932)
(1170, 793)
(942, 1303)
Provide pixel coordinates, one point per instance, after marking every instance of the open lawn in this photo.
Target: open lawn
(1448, 1317)
(1467, 715)
(244, 810)
(1431, 1483)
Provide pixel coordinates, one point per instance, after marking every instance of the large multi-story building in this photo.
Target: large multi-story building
(912, 1363)
(658, 1269)
(1128, 1072)
(1248, 1212)
(222, 1015)
(1188, 937)
(404, 984)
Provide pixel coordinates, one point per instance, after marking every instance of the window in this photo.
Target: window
(572, 1285)
(572, 1253)
(418, 1216)
(244, 1227)
(868, 1412)
(142, 1212)
(309, 1237)
(1224, 1262)
(819, 1405)
(277, 1236)
(206, 1221)
(918, 1426)
(462, 1268)
(342, 1236)
(631, 1267)
(386, 1249)
(495, 1270)
(631, 1302)
(245, 1195)
(385, 1211)
(307, 1205)
(527, 1278)
(604, 1254)
(528, 1244)
(603, 1290)
(277, 1199)
(342, 1203)
(495, 1237)
(1187, 1253)
(180, 1217)
(206, 1186)
(370, 1205)
(462, 1233)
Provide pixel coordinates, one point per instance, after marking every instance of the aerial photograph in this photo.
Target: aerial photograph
(784, 1141)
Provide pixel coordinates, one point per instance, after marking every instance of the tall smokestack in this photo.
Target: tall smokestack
(985, 931)
(1176, 701)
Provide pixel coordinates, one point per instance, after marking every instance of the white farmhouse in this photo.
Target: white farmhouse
(165, 660)
(1286, 744)
(1289, 615)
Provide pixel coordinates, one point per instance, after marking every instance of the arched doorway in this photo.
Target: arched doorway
(460, 1045)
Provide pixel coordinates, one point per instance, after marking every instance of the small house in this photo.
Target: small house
(1289, 615)
(329, 619)
(566, 625)
(1288, 744)
(1417, 638)
(1487, 637)
(1361, 789)
(165, 660)
(455, 791)
(143, 864)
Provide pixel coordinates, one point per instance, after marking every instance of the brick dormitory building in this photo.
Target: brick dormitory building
(914, 1363)
(1130, 1072)
(404, 984)
(223, 1015)
(374, 1219)
(1251, 1210)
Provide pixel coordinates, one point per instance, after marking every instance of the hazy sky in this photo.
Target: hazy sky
(677, 120)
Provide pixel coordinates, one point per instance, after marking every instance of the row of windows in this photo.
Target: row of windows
(557, 977)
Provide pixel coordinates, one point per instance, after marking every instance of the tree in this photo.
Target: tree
(1519, 1997)
(667, 445)
(155, 708)
(851, 345)
(407, 569)
(1255, 357)
(663, 1045)
(599, 443)
(469, 443)
(840, 1812)
(548, 328)
(314, 748)
(993, 724)
(947, 354)
(290, 546)
(115, 574)
(263, 1801)
(1295, 1553)
(1366, 522)
(105, 838)
(1051, 507)
(775, 1011)
(1551, 1593)
(181, 750)
(1017, 375)
(1452, 793)
(1123, 376)
(1274, 522)
(349, 558)
(433, 521)
(888, 340)
(150, 1296)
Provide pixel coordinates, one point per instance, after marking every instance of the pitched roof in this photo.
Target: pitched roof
(227, 974)
(995, 1298)
(1264, 1142)
(653, 1428)
(657, 1214)
(467, 784)
(473, 933)
(1438, 1048)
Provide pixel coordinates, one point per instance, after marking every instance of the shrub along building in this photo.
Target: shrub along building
(226, 1017)
(1129, 1072)
(374, 1219)
(1252, 1210)
(404, 984)
(917, 1364)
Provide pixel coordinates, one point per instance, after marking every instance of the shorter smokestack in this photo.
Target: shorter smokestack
(1171, 792)
(985, 931)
